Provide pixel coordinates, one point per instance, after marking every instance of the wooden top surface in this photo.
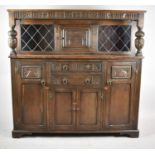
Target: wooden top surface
(34, 10)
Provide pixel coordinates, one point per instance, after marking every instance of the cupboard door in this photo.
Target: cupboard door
(62, 110)
(32, 96)
(88, 109)
(119, 93)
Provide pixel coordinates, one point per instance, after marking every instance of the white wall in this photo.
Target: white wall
(147, 101)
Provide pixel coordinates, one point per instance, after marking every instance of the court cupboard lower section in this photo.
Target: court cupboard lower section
(103, 100)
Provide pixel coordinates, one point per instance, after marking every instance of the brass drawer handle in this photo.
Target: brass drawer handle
(65, 81)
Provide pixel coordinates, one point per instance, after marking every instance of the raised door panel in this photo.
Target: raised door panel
(75, 37)
(88, 110)
(118, 104)
(62, 110)
(119, 92)
(119, 108)
(33, 109)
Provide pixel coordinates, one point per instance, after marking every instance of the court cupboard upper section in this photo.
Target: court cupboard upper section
(54, 32)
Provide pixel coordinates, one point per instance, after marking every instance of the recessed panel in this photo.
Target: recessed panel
(119, 108)
(32, 104)
(63, 111)
(88, 106)
(75, 37)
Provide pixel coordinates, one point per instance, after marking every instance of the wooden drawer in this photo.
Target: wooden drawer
(121, 72)
(77, 79)
(76, 67)
(31, 71)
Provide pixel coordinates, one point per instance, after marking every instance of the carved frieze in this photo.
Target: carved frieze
(74, 14)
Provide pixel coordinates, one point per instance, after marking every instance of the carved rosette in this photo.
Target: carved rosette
(139, 41)
(12, 41)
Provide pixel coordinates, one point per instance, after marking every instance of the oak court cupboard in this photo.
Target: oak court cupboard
(76, 71)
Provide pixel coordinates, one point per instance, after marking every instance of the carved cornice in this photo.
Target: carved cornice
(75, 14)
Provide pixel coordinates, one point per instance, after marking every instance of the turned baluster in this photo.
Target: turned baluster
(12, 41)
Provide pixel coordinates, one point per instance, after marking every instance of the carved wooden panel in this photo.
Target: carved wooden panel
(75, 37)
(31, 72)
(122, 72)
(78, 79)
(76, 67)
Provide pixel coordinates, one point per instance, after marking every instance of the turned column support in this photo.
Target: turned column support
(139, 41)
(12, 41)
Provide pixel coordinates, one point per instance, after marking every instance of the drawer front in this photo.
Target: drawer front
(31, 71)
(81, 80)
(121, 72)
(76, 67)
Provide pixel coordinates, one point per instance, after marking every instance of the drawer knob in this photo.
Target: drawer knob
(65, 81)
(65, 68)
(42, 82)
(88, 81)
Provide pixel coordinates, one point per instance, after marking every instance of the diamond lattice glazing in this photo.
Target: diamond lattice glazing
(114, 38)
(37, 37)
